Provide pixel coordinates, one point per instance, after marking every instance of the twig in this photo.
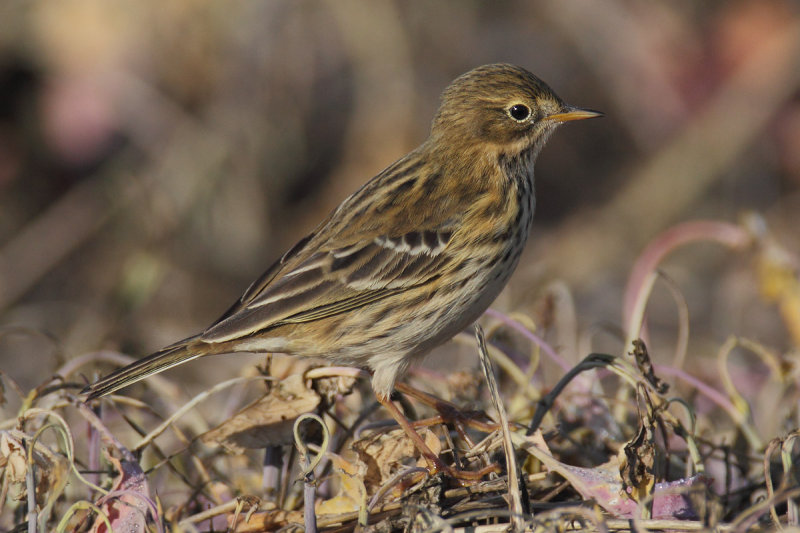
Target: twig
(515, 498)
(595, 360)
(309, 481)
(30, 485)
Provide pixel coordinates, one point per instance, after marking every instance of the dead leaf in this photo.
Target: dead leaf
(603, 484)
(384, 454)
(645, 365)
(12, 457)
(51, 467)
(267, 421)
(329, 388)
(637, 463)
(127, 511)
(351, 487)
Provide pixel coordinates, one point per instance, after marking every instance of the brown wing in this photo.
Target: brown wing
(336, 281)
(371, 247)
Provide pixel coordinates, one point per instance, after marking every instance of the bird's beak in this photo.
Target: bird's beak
(572, 113)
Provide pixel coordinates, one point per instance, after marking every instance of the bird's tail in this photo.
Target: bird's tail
(173, 355)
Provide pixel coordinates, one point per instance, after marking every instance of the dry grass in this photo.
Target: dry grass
(616, 438)
(155, 157)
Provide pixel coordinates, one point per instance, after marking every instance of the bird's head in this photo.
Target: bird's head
(503, 107)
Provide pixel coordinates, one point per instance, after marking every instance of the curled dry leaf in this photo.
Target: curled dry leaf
(603, 484)
(350, 478)
(637, 463)
(12, 457)
(51, 467)
(645, 365)
(331, 387)
(385, 453)
(267, 421)
(127, 510)
(638, 457)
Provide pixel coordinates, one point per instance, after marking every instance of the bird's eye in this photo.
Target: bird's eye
(519, 112)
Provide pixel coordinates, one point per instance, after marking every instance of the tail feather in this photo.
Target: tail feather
(173, 355)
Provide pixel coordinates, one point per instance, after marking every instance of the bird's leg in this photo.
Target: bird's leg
(449, 413)
(436, 464)
(448, 410)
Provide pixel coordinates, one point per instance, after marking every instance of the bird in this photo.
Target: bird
(410, 259)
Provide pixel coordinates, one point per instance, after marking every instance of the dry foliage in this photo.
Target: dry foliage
(616, 438)
(156, 156)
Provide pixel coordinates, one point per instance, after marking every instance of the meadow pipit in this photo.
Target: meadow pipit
(411, 258)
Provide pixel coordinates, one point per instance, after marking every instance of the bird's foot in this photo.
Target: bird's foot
(435, 463)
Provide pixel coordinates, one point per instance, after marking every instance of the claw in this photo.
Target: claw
(435, 464)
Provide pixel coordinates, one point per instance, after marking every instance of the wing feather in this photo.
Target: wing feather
(367, 250)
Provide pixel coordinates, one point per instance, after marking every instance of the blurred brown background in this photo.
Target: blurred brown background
(155, 157)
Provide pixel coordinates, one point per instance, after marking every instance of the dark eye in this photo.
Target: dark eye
(519, 111)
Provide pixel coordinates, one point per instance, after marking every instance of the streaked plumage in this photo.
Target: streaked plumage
(411, 258)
